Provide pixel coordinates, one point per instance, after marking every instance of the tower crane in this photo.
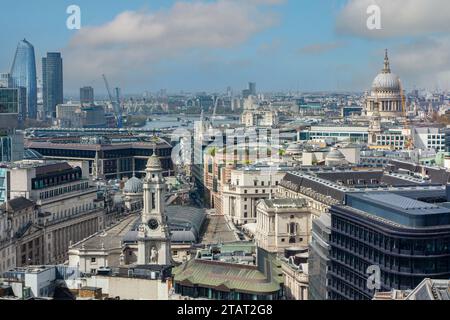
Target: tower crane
(115, 104)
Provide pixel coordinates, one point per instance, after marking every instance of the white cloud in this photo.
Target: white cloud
(134, 41)
(398, 18)
(424, 63)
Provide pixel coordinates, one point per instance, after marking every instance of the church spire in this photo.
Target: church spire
(387, 67)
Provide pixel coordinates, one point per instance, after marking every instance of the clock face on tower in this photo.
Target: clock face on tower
(153, 224)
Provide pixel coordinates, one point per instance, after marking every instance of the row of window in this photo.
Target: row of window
(63, 190)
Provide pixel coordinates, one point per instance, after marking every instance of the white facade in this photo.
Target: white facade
(154, 237)
(247, 186)
(283, 223)
(429, 138)
(387, 93)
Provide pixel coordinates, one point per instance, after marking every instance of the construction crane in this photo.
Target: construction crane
(115, 104)
(409, 143)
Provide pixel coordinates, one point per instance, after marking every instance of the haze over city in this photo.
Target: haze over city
(283, 45)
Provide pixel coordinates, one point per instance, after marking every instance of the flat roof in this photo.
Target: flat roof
(399, 209)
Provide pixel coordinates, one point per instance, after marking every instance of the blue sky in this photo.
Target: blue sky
(282, 45)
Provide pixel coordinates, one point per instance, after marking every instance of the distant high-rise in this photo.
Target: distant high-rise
(252, 88)
(5, 80)
(52, 77)
(87, 95)
(251, 91)
(23, 73)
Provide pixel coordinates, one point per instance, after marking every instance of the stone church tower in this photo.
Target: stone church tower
(154, 235)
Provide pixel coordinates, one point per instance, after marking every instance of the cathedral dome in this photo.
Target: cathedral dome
(386, 80)
(133, 185)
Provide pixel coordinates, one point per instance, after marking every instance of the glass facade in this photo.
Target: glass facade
(319, 262)
(23, 73)
(3, 185)
(52, 79)
(404, 255)
(13, 101)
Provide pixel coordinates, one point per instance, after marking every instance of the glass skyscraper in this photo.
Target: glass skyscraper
(23, 73)
(52, 77)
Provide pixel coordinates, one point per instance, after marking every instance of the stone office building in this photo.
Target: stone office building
(52, 205)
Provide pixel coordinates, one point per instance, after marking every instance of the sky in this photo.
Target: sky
(208, 45)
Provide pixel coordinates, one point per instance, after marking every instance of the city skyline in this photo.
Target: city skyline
(280, 45)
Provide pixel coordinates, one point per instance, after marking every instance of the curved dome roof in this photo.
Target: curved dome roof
(294, 148)
(133, 185)
(386, 80)
(335, 154)
(154, 162)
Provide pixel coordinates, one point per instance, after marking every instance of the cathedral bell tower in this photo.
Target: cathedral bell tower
(154, 235)
(375, 125)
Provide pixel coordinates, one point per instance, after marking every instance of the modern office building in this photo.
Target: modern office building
(87, 95)
(108, 158)
(93, 117)
(5, 80)
(23, 73)
(251, 91)
(335, 133)
(252, 88)
(406, 240)
(13, 105)
(52, 75)
(4, 181)
(430, 138)
(11, 146)
(319, 257)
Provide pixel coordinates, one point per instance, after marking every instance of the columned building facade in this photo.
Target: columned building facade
(387, 93)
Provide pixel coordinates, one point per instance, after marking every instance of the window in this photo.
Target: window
(93, 260)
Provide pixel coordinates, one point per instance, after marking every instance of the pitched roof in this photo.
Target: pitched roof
(19, 204)
(224, 277)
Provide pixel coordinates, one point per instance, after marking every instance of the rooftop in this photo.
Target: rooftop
(285, 203)
(109, 239)
(225, 277)
(399, 209)
(18, 204)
